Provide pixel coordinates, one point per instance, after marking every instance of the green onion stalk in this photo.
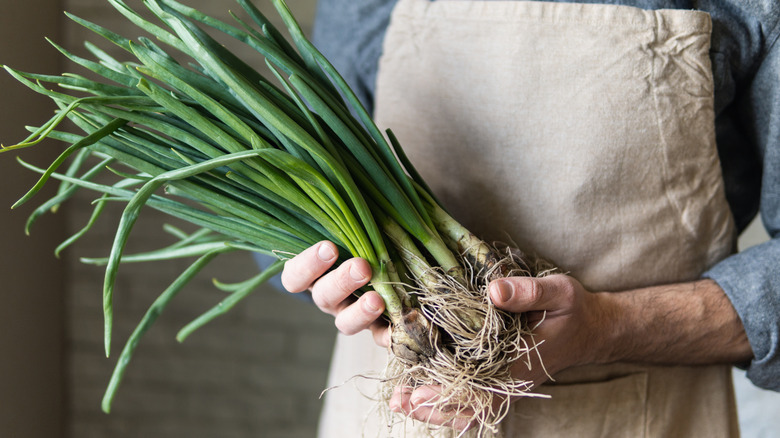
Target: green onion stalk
(273, 163)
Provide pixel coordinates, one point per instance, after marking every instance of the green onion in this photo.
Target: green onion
(273, 165)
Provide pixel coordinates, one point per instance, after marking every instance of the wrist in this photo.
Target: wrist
(612, 335)
(686, 323)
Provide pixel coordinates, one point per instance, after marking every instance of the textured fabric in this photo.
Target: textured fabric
(745, 60)
(554, 141)
(621, 146)
(608, 169)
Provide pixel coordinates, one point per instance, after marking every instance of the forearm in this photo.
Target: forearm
(681, 324)
(687, 324)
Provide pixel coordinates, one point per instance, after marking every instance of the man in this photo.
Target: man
(725, 315)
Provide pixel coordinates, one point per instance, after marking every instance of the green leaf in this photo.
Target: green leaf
(130, 215)
(86, 141)
(229, 302)
(148, 320)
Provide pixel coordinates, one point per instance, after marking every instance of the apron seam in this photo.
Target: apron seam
(663, 136)
(634, 24)
(649, 16)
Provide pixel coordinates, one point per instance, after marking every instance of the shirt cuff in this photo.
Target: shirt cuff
(751, 280)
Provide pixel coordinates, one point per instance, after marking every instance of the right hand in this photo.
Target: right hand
(333, 292)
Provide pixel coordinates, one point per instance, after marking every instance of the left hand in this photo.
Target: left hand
(570, 324)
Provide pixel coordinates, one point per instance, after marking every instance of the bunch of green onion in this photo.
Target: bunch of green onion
(270, 166)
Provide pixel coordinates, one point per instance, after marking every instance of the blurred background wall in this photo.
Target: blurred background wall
(32, 286)
(256, 372)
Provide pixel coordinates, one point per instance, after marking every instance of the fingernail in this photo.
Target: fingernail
(503, 291)
(355, 273)
(325, 253)
(369, 306)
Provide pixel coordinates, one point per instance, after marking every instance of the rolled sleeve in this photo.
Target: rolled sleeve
(751, 279)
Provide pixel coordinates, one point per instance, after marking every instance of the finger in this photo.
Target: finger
(361, 314)
(526, 294)
(330, 291)
(304, 269)
(456, 419)
(419, 404)
(381, 331)
(400, 401)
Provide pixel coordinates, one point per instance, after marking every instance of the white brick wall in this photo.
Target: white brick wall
(256, 372)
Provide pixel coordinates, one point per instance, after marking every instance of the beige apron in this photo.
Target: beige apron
(582, 132)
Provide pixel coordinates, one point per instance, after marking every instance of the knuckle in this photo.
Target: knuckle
(568, 290)
(381, 333)
(379, 337)
(535, 291)
(343, 327)
(291, 282)
(297, 278)
(324, 301)
(350, 321)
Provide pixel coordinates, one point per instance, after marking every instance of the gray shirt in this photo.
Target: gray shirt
(746, 69)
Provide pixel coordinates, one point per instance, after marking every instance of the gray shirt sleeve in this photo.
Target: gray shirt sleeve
(350, 34)
(751, 279)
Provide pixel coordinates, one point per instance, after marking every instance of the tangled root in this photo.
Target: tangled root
(472, 363)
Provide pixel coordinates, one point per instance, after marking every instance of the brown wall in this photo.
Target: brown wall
(31, 279)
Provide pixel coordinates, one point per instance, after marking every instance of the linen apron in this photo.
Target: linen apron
(584, 133)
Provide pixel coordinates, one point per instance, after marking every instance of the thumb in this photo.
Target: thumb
(528, 294)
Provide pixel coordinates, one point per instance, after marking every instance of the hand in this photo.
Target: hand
(568, 322)
(691, 323)
(571, 322)
(333, 291)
